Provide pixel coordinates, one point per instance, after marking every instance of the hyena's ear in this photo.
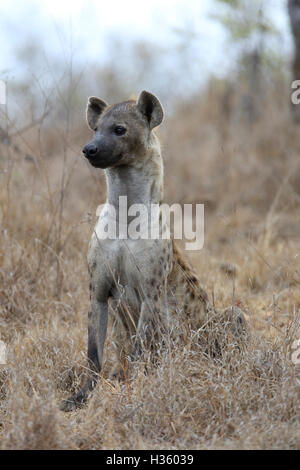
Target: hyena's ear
(151, 108)
(95, 107)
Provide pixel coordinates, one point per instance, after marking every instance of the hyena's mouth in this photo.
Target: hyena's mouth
(99, 162)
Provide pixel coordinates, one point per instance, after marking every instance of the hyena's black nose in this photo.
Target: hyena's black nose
(90, 150)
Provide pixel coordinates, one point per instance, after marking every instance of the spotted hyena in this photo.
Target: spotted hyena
(142, 281)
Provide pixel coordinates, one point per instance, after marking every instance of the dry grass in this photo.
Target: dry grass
(248, 399)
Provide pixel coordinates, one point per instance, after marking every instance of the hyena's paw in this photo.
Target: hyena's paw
(72, 403)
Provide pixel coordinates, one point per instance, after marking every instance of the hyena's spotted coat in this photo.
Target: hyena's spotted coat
(142, 280)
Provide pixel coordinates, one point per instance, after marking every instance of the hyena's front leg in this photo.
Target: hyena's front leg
(96, 337)
(148, 327)
(154, 313)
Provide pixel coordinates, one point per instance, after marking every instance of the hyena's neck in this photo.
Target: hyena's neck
(141, 182)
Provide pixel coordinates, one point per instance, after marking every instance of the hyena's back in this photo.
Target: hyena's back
(185, 291)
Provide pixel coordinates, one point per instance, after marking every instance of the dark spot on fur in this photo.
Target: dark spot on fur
(156, 297)
(192, 295)
(152, 282)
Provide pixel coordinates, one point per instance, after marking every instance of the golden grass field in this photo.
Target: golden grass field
(249, 179)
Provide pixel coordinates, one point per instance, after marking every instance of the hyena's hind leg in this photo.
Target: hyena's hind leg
(237, 321)
(224, 329)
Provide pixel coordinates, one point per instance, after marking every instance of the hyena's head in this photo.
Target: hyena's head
(122, 132)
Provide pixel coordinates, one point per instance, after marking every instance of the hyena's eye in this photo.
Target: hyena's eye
(119, 130)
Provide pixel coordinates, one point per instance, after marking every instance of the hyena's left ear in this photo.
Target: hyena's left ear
(95, 108)
(151, 108)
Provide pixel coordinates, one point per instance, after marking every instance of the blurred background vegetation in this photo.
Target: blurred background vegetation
(68, 51)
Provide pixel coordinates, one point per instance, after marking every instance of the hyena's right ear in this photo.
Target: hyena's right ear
(95, 108)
